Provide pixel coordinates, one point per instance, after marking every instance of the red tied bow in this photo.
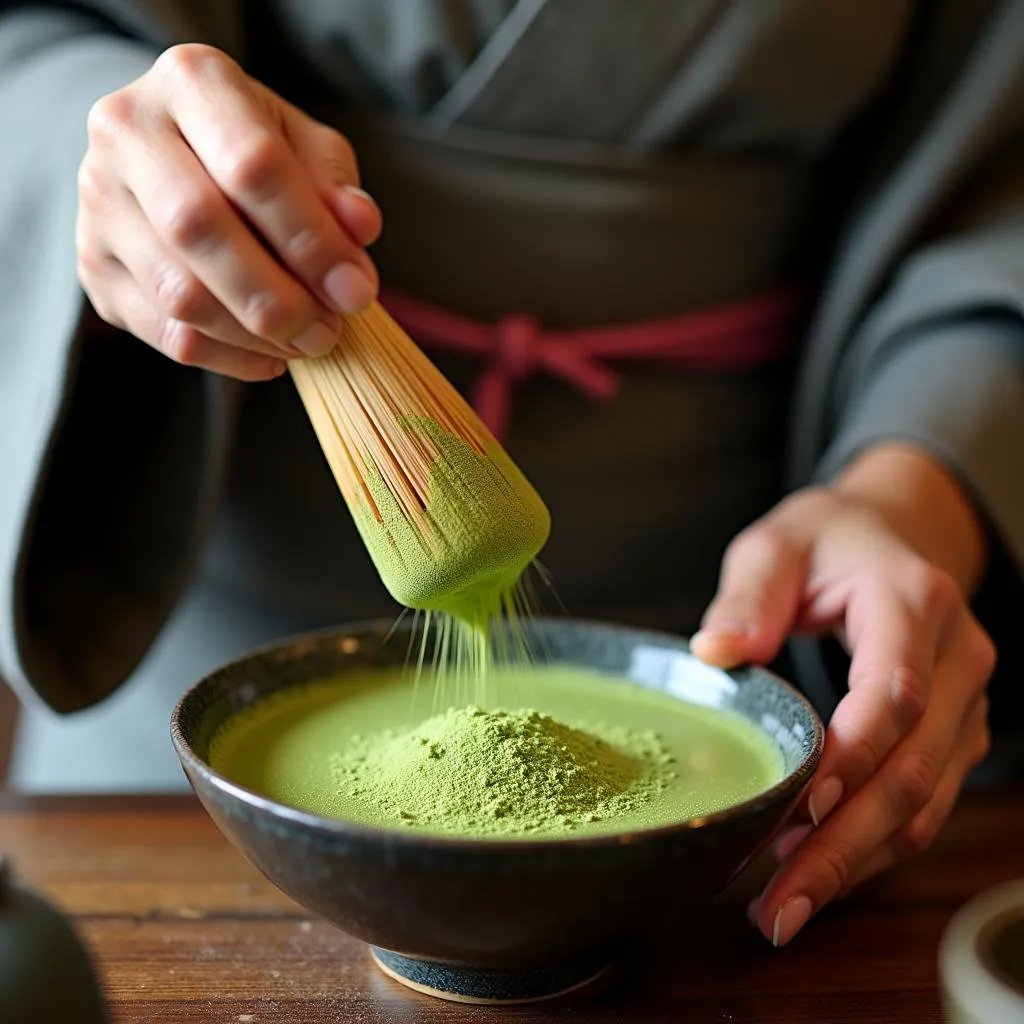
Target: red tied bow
(732, 336)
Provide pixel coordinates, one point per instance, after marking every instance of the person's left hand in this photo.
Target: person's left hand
(914, 720)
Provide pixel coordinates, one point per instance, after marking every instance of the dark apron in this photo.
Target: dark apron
(645, 490)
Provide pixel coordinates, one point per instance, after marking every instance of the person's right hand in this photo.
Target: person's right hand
(218, 223)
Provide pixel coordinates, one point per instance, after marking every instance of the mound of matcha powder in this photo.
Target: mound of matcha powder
(475, 772)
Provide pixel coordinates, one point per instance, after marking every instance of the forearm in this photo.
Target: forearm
(924, 503)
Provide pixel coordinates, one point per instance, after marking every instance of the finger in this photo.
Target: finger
(186, 345)
(196, 222)
(758, 599)
(171, 288)
(241, 143)
(972, 749)
(835, 854)
(789, 840)
(894, 650)
(783, 848)
(358, 212)
(329, 158)
(924, 828)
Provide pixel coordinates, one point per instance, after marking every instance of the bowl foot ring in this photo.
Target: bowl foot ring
(492, 987)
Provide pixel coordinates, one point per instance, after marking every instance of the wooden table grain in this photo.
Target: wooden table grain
(183, 929)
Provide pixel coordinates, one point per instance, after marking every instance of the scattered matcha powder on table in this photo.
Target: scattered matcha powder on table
(477, 773)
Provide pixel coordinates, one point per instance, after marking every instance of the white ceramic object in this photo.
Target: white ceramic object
(981, 959)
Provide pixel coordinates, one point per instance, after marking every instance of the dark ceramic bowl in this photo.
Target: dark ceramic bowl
(486, 920)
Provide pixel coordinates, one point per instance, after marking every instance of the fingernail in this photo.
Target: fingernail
(726, 628)
(823, 799)
(790, 918)
(721, 643)
(316, 340)
(355, 190)
(349, 288)
(278, 369)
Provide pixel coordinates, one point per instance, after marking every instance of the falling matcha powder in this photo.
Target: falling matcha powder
(475, 772)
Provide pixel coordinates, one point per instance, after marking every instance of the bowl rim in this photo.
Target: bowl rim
(340, 828)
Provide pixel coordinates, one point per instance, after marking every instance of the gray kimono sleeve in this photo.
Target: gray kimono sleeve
(108, 452)
(939, 362)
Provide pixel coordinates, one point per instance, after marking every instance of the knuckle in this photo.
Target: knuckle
(908, 695)
(190, 223)
(189, 61)
(91, 262)
(342, 162)
(981, 735)
(813, 500)
(916, 777)
(835, 862)
(109, 117)
(91, 189)
(91, 256)
(308, 248)
(763, 542)
(181, 296)
(868, 672)
(985, 655)
(937, 590)
(344, 152)
(181, 343)
(981, 747)
(101, 301)
(272, 316)
(104, 308)
(859, 751)
(916, 837)
(256, 170)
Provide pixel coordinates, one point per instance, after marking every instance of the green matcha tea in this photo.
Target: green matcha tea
(587, 755)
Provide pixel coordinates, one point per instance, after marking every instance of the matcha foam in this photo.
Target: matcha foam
(477, 772)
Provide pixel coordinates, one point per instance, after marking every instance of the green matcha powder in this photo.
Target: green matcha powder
(477, 772)
(470, 771)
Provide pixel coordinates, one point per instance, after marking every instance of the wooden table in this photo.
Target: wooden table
(185, 930)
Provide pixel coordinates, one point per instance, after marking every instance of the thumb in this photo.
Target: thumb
(759, 596)
(331, 162)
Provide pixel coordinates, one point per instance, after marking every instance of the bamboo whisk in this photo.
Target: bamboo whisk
(449, 520)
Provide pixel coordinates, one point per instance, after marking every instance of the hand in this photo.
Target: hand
(854, 560)
(219, 223)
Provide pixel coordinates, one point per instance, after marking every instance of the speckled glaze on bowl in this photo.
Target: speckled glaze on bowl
(496, 921)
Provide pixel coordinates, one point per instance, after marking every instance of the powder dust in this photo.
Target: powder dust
(474, 772)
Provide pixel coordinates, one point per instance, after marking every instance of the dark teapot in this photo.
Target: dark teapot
(46, 975)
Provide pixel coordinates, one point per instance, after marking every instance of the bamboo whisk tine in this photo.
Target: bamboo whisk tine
(444, 512)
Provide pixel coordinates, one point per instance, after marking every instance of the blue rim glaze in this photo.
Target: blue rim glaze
(516, 985)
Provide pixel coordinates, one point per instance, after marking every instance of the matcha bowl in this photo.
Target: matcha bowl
(498, 920)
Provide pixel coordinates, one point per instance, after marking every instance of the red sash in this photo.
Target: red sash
(733, 336)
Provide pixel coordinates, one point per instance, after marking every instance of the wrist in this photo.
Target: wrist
(924, 503)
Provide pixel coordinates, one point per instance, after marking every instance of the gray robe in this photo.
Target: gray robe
(868, 149)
